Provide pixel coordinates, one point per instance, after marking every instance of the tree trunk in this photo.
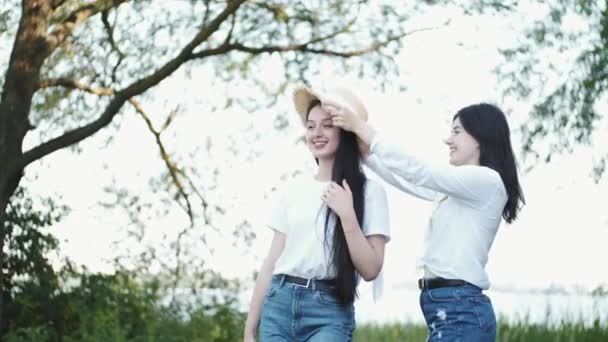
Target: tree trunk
(30, 49)
(6, 191)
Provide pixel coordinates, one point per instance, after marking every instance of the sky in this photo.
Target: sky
(559, 239)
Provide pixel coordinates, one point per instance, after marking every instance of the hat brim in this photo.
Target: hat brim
(302, 98)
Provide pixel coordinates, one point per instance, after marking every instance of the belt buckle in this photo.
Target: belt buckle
(423, 283)
(305, 286)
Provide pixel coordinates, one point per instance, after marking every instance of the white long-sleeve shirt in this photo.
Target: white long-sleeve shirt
(469, 201)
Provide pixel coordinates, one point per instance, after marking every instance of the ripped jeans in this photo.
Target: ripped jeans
(459, 313)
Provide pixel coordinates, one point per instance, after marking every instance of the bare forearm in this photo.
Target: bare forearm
(367, 261)
(257, 299)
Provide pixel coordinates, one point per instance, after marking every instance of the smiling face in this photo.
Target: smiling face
(464, 149)
(322, 137)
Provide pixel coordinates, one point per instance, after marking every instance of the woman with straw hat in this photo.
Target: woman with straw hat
(329, 229)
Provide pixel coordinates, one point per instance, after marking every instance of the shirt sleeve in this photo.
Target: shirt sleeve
(376, 222)
(470, 183)
(376, 219)
(376, 165)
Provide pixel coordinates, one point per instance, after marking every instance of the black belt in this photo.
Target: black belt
(433, 283)
(328, 285)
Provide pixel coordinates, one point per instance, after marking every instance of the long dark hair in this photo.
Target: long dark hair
(346, 166)
(488, 125)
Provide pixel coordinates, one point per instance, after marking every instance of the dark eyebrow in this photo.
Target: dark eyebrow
(457, 127)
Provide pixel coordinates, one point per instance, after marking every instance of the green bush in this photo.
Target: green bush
(118, 308)
(72, 304)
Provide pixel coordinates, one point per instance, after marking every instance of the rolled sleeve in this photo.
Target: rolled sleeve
(376, 219)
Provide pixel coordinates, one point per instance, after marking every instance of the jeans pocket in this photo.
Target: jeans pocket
(484, 312)
(443, 295)
(327, 299)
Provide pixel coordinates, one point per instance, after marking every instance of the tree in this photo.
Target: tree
(569, 104)
(75, 64)
(27, 270)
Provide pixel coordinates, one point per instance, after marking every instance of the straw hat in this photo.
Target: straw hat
(303, 96)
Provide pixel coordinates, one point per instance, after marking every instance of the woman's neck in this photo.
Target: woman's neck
(324, 170)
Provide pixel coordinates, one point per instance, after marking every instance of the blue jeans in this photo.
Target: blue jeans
(459, 313)
(295, 313)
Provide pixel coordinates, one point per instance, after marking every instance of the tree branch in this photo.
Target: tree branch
(206, 16)
(110, 30)
(223, 48)
(277, 10)
(165, 156)
(169, 120)
(120, 97)
(344, 29)
(204, 203)
(173, 170)
(280, 14)
(185, 55)
(56, 3)
(305, 47)
(178, 251)
(77, 17)
(69, 83)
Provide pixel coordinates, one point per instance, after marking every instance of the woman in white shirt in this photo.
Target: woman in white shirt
(329, 229)
(472, 194)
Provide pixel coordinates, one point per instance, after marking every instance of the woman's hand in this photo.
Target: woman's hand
(340, 200)
(342, 116)
(347, 120)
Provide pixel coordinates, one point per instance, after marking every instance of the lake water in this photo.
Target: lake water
(402, 305)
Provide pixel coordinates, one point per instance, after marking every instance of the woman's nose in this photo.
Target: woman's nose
(316, 131)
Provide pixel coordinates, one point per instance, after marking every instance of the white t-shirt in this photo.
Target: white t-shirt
(469, 201)
(300, 214)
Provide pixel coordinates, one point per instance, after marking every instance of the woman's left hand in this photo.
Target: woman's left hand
(342, 117)
(339, 199)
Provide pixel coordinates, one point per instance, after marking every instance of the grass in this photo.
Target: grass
(507, 332)
(390, 332)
